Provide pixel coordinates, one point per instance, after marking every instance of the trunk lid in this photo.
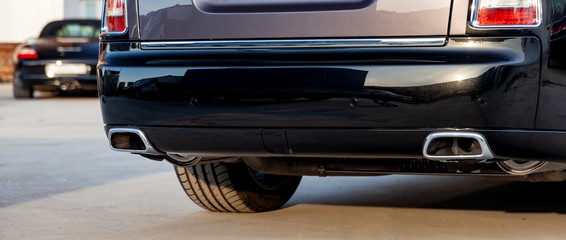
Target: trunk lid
(66, 48)
(276, 19)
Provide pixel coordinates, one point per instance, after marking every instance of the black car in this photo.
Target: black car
(245, 97)
(62, 59)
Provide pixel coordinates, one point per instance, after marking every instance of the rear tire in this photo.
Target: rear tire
(20, 92)
(234, 187)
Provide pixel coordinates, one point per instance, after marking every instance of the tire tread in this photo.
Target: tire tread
(210, 187)
(228, 187)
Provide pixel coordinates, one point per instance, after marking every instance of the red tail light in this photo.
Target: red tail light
(506, 13)
(27, 53)
(115, 16)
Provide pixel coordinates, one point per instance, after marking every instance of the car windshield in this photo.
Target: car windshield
(74, 30)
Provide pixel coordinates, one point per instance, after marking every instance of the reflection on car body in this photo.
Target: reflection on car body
(244, 98)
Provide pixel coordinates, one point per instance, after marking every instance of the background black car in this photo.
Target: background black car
(63, 58)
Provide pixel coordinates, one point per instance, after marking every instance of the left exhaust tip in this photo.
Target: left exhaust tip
(130, 140)
(127, 141)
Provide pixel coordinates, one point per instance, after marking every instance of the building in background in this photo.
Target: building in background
(24, 19)
(89, 9)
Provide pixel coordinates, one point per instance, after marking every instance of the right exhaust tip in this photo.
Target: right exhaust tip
(465, 147)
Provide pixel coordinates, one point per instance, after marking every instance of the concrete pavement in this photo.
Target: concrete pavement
(59, 180)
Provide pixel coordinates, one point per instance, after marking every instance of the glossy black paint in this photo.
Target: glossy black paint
(552, 107)
(507, 84)
(370, 103)
(551, 110)
(479, 83)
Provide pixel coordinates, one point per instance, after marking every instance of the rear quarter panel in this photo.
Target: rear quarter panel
(552, 100)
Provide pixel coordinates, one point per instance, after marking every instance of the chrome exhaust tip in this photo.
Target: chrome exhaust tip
(465, 147)
(521, 168)
(130, 140)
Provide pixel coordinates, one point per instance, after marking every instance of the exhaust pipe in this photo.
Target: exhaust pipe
(130, 140)
(134, 141)
(69, 85)
(182, 159)
(463, 147)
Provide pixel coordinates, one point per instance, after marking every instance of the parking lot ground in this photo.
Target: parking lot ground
(60, 180)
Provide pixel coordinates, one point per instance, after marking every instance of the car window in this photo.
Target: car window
(74, 30)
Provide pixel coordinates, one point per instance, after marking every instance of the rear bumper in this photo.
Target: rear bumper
(31, 74)
(333, 102)
(87, 83)
(470, 83)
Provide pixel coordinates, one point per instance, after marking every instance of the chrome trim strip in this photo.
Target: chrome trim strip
(486, 152)
(299, 43)
(148, 147)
